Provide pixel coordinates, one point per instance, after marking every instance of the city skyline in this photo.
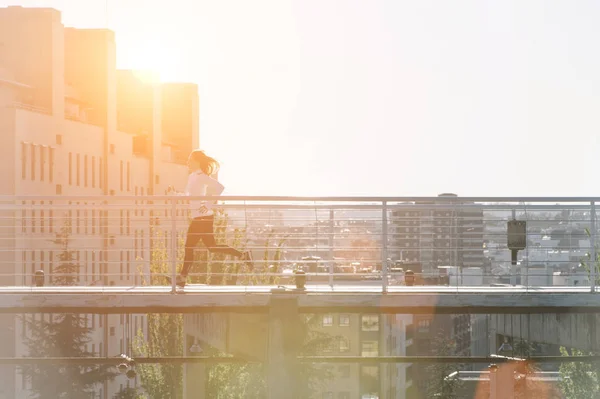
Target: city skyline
(393, 98)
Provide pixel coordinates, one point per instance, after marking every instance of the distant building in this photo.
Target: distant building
(72, 124)
(438, 233)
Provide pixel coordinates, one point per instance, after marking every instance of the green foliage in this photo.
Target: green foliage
(590, 264)
(62, 335)
(312, 377)
(236, 381)
(523, 348)
(67, 270)
(164, 334)
(580, 380)
(447, 388)
(247, 381)
(221, 269)
(129, 393)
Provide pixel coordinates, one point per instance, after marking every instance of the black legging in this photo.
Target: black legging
(202, 228)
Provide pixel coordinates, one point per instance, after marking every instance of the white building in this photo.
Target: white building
(71, 125)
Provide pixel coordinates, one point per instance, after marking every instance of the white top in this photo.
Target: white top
(199, 184)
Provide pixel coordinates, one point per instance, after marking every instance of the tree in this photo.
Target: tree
(589, 264)
(315, 341)
(440, 384)
(524, 348)
(247, 381)
(164, 334)
(233, 381)
(579, 380)
(62, 335)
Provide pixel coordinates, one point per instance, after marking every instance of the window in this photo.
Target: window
(59, 139)
(344, 320)
(100, 173)
(42, 162)
(121, 176)
(128, 176)
(327, 320)
(42, 220)
(33, 161)
(112, 148)
(370, 348)
(70, 169)
(370, 322)
(51, 219)
(51, 164)
(23, 160)
(58, 189)
(423, 326)
(33, 217)
(85, 221)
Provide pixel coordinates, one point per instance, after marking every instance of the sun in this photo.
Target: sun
(156, 61)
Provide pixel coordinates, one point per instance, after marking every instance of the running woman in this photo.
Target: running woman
(201, 183)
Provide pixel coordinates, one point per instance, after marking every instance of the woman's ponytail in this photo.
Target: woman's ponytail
(208, 165)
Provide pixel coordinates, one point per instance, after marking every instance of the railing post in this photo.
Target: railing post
(593, 255)
(331, 243)
(173, 244)
(384, 236)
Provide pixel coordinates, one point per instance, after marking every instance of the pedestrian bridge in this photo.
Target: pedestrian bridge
(100, 254)
(318, 299)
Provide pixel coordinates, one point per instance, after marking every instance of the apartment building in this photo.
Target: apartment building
(348, 334)
(438, 233)
(74, 125)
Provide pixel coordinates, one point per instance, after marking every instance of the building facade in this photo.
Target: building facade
(438, 233)
(74, 125)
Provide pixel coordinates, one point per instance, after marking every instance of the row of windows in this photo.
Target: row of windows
(83, 221)
(89, 170)
(29, 155)
(131, 322)
(341, 344)
(369, 322)
(92, 267)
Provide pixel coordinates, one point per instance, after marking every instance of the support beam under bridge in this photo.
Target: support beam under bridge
(258, 299)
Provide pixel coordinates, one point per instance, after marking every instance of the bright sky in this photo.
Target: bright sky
(377, 97)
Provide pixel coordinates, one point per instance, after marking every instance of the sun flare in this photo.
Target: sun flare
(155, 61)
